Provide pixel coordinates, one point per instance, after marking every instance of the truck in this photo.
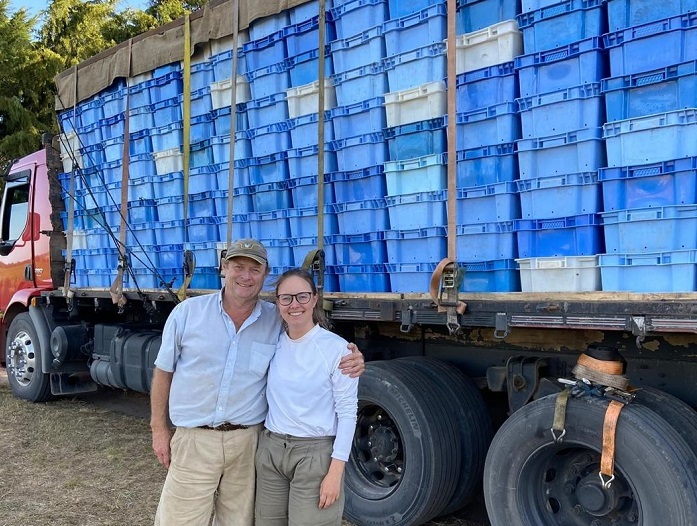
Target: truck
(547, 361)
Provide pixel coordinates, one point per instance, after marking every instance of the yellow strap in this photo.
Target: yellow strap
(186, 114)
(607, 459)
(559, 423)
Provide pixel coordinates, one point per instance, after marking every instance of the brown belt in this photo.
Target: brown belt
(226, 426)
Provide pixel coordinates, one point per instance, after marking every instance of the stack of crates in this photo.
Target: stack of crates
(487, 126)
(562, 113)
(649, 193)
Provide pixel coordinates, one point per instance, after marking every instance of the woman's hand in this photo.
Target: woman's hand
(330, 488)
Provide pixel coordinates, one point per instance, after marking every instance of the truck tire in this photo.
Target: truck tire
(529, 480)
(405, 454)
(23, 361)
(470, 414)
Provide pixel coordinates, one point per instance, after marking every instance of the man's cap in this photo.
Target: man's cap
(248, 248)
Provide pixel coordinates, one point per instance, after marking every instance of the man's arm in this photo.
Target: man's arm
(159, 409)
(352, 364)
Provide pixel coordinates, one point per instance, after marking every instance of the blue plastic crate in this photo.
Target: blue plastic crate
(168, 184)
(652, 138)
(486, 241)
(203, 179)
(110, 172)
(303, 36)
(139, 95)
(578, 63)
(269, 225)
(96, 154)
(142, 211)
(486, 165)
(269, 80)
(359, 217)
(655, 229)
(657, 91)
(410, 277)
(358, 50)
(167, 137)
(266, 51)
(349, 16)
(91, 111)
(360, 84)
(222, 64)
(309, 10)
(242, 201)
(422, 174)
(362, 278)
(499, 275)
(141, 118)
(262, 27)
(420, 245)
(572, 152)
(672, 271)
(202, 229)
(487, 204)
(114, 102)
(112, 126)
(359, 118)
(653, 45)
(201, 75)
(166, 86)
(359, 185)
(579, 235)
(660, 184)
(562, 111)
(269, 139)
(170, 208)
(473, 15)
(420, 210)
(167, 111)
(240, 227)
(305, 161)
(562, 24)
(497, 124)
(202, 204)
(201, 154)
(206, 278)
(221, 119)
(560, 196)
(630, 13)
(400, 8)
(359, 249)
(415, 30)
(486, 87)
(221, 147)
(304, 130)
(304, 222)
(201, 128)
(416, 67)
(142, 187)
(69, 120)
(361, 151)
(201, 102)
(271, 196)
(416, 139)
(90, 134)
(271, 168)
(267, 110)
(304, 191)
(304, 68)
(170, 256)
(140, 142)
(303, 246)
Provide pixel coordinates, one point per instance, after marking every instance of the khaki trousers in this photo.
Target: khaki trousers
(203, 462)
(289, 473)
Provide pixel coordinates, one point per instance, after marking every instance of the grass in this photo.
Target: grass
(71, 463)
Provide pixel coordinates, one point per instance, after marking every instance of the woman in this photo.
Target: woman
(312, 416)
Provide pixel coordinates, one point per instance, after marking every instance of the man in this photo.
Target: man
(211, 375)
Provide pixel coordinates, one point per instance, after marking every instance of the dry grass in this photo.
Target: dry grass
(70, 463)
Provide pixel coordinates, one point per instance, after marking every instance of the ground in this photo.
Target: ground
(88, 462)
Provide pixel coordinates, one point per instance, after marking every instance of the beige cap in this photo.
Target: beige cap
(248, 248)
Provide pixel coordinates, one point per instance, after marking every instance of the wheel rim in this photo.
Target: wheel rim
(378, 452)
(21, 358)
(562, 486)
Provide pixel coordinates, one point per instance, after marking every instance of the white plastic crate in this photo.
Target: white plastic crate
(67, 159)
(221, 45)
(69, 142)
(168, 161)
(559, 274)
(220, 92)
(487, 47)
(421, 103)
(305, 99)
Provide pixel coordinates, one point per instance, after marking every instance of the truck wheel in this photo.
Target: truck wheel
(405, 454)
(531, 481)
(470, 414)
(23, 360)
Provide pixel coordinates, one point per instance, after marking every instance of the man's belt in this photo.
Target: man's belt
(225, 426)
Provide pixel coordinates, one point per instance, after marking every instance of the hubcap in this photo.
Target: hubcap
(21, 358)
(377, 449)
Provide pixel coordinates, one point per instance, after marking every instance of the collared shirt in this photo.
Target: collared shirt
(219, 372)
(308, 394)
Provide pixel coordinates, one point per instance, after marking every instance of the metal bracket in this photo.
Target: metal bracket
(501, 325)
(638, 324)
(448, 295)
(408, 320)
(522, 379)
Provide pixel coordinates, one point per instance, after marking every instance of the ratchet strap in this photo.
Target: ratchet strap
(69, 264)
(189, 262)
(116, 289)
(559, 424)
(607, 459)
(444, 289)
(601, 371)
